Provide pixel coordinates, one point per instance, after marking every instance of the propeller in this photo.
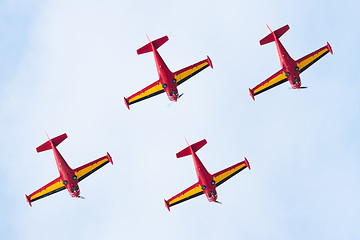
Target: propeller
(173, 102)
(218, 202)
(81, 197)
(298, 88)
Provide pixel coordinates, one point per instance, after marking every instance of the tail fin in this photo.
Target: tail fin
(278, 33)
(55, 141)
(156, 43)
(195, 147)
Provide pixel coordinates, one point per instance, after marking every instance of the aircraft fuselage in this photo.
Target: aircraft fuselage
(166, 77)
(288, 65)
(205, 179)
(67, 175)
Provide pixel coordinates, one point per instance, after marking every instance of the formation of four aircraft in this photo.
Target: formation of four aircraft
(168, 82)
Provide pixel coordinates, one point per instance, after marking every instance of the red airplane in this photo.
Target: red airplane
(69, 178)
(207, 182)
(290, 69)
(168, 81)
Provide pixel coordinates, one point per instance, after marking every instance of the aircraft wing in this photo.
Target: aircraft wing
(189, 193)
(150, 91)
(190, 71)
(226, 174)
(53, 187)
(273, 81)
(89, 168)
(305, 62)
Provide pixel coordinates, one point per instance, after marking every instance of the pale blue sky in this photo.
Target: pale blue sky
(66, 65)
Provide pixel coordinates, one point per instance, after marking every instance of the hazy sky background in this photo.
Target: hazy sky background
(65, 66)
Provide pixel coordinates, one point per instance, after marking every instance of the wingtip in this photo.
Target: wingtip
(167, 205)
(329, 48)
(126, 103)
(109, 158)
(251, 94)
(209, 62)
(28, 200)
(247, 163)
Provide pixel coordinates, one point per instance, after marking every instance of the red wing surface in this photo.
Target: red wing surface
(226, 174)
(148, 92)
(53, 187)
(273, 81)
(305, 62)
(189, 193)
(87, 169)
(190, 71)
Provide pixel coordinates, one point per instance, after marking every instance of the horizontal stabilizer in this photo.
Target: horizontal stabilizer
(55, 141)
(278, 33)
(195, 147)
(156, 43)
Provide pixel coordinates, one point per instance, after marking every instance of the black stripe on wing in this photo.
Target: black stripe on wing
(47, 194)
(185, 199)
(191, 75)
(92, 171)
(230, 176)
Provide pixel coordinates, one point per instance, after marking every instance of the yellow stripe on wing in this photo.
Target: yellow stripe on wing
(88, 170)
(313, 58)
(190, 72)
(269, 83)
(48, 189)
(146, 93)
(186, 194)
(228, 174)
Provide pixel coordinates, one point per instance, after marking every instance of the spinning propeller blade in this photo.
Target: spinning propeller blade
(173, 102)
